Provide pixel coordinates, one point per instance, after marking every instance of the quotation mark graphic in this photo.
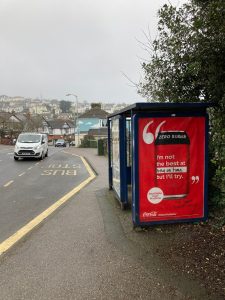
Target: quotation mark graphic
(148, 137)
(195, 179)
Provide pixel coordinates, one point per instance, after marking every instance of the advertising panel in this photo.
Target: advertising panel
(171, 167)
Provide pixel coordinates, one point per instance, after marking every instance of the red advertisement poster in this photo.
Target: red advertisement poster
(171, 168)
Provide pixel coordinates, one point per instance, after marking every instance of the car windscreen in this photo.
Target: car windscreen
(29, 138)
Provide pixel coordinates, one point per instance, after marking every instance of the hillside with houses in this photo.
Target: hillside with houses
(71, 122)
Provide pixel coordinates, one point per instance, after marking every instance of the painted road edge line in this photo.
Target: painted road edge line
(22, 232)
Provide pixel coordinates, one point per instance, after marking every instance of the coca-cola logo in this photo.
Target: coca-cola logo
(149, 214)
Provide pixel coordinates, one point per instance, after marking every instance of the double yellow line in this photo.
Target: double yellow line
(13, 239)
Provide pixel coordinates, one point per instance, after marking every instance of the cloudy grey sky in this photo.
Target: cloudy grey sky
(53, 47)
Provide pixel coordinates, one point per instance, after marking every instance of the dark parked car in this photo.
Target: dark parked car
(60, 143)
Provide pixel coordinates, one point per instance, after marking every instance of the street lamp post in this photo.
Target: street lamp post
(76, 120)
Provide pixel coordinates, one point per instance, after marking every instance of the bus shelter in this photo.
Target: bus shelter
(158, 161)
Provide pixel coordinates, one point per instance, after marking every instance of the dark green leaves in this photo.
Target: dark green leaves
(187, 64)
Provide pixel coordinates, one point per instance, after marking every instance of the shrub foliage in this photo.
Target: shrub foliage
(187, 64)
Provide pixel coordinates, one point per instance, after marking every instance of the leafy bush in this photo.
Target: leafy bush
(88, 142)
(187, 64)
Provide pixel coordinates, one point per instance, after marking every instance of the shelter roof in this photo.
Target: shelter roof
(161, 106)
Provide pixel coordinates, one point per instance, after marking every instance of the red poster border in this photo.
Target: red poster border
(136, 170)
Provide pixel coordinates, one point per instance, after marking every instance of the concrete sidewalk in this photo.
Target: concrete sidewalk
(85, 251)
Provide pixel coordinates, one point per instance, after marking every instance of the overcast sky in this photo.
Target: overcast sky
(53, 47)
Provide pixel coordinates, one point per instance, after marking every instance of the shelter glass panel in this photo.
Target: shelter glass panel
(115, 155)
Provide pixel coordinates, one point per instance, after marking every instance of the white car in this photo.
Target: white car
(34, 145)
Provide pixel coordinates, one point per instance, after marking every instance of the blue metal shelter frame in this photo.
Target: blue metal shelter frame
(129, 174)
(122, 172)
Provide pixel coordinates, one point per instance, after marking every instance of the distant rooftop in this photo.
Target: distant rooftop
(54, 124)
(95, 112)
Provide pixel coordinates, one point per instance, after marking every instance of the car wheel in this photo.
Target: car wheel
(16, 158)
(46, 154)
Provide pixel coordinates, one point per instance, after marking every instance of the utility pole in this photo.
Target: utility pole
(76, 119)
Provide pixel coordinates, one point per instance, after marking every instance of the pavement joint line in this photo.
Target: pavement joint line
(8, 183)
(23, 231)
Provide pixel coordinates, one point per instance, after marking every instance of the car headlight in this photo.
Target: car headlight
(37, 147)
(17, 148)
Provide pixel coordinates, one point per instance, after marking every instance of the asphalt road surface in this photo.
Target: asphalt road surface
(28, 187)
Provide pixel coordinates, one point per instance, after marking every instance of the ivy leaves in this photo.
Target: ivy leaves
(187, 64)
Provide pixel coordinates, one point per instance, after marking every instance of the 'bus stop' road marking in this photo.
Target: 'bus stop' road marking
(8, 183)
(8, 243)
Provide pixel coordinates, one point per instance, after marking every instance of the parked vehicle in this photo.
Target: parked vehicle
(31, 144)
(60, 143)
